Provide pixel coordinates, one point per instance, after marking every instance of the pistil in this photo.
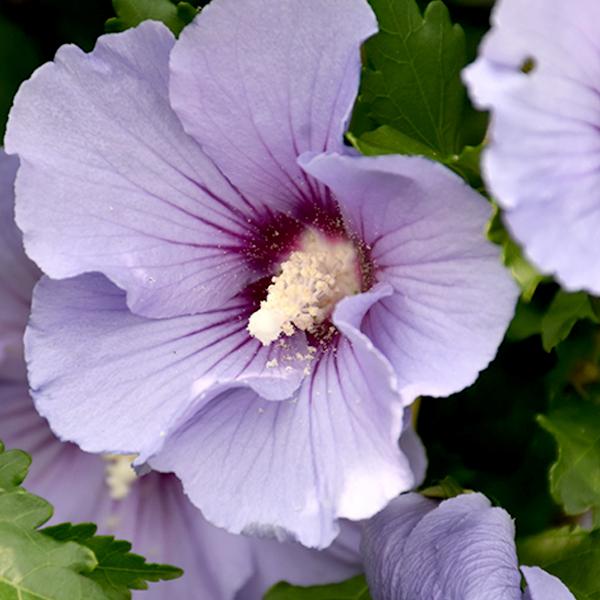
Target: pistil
(313, 279)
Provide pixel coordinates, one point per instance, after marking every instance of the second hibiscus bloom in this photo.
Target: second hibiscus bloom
(247, 306)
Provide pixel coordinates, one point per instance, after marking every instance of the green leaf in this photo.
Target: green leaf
(63, 562)
(526, 322)
(118, 569)
(387, 140)
(411, 79)
(572, 554)
(524, 273)
(35, 566)
(132, 12)
(566, 309)
(577, 368)
(352, 589)
(14, 465)
(447, 488)
(575, 477)
(17, 506)
(32, 565)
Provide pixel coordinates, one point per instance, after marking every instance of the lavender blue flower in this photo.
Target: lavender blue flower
(459, 549)
(150, 510)
(247, 306)
(18, 276)
(537, 72)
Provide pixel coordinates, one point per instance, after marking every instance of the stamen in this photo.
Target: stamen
(310, 283)
(120, 475)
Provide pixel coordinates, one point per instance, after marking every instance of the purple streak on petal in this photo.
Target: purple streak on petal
(452, 299)
(384, 539)
(292, 468)
(110, 182)
(160, 522)
(115, 382)
(259, 82)
(17, 277)
(543, 160)
(543, 586)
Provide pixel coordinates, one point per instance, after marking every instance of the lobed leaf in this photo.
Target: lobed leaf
(62, 562)
(575, 477)
(411, 80)
(566, 310)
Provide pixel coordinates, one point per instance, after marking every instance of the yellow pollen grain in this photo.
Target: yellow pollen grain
(120, 475)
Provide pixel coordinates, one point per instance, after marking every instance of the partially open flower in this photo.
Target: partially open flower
(459, 549)
(249, 306)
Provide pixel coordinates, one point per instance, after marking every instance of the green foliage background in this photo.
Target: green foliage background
(527, 433)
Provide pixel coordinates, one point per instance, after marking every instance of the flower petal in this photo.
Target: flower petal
(543, 586)
(160, 521)
(115, 382)
(292, 468)
(289, 561)
(155, 516)
(463, 549)
(17, 277)
(60, 473)
(110, 182)
(383, 542)
(258, 82)
(452, 299)
(543, 162)
(412, 447)
(165, 527)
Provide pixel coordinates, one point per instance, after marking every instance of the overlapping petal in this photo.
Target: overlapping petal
(543, 586)
(110, 182)
(112, 381)
(276, 561)
(258, 82)
(152, 355)
(17, 277)
(161, 522)
(461, 549)
(538, 72)
(449, 299)
(292, 468)
(155, 516)
(383, 542)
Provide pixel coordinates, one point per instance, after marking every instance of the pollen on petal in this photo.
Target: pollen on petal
(120, 475)
(312, 280)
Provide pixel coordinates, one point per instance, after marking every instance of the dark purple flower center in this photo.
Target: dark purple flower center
(312, 264)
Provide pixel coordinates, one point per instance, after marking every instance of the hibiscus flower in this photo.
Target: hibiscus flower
(151, 510)
(232, 295)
